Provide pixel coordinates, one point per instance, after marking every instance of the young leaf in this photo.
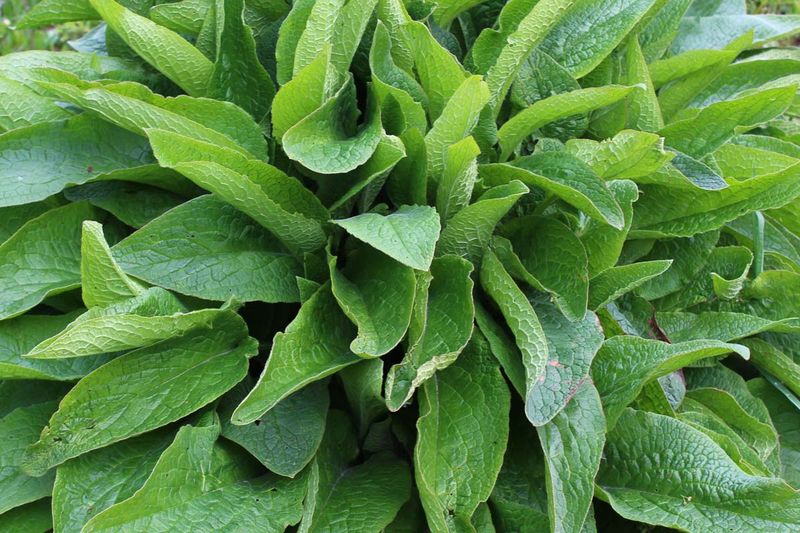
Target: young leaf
(102, 281)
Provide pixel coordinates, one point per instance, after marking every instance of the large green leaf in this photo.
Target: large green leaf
(377, 294)
(42, 258)
(42, 160)
(102, 281)
(20, 428)
(143, 390)
(441, 325)
(408, 235)
(520, 317)
(706, 494)
(463, 420)
(573, 446)
(554, 260)
(286, 438)
(589, 31)
(327, 140)
(571, 346)
(237, 75)
(559, 106)
(19, 335)
(101, 478)
(468, 233)
(208, 249)
(135, 108)
(207, 483)
(625, 364)
(665, 211)
(164, 49)
(315, 345)
(276, 201)
(564, 176)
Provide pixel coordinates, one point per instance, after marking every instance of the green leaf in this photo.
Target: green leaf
(202, 481)
(110, 329)
(276, 201)
(463, 420)
(458, 178)
(32, 517)
(42, 160)
(519, 499)
(138, 392)
(458, 118)
(101, 478)
(102, 281)
(183, 63)
(723, 326)
(20, 428)
(625, 364)
(377, 294)
(363, 385)
(365, 496)
(519, 43)
(408, 235)
(573, 447)
(400, 95)
(784, 416)
(208, 249)
(19, 335)
(556, 107)
(716, 31)
(301, 95)
(237, 75)
(185, 16)
(707, 475)
(554, 260)
(589, 32)
(133, 204)
(286, 438)
(468, 233)
(616, 281)
(564, 176)
(327, 140)
(439, 72)
(314, 346)
(665, 211)
(765, 356)
(714, 125)
(20, 106)
(603, 243)
(42, 258)
(441, 325)
(758, 435)
(571, 346)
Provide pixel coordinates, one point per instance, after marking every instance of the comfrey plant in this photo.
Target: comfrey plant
(401, 265)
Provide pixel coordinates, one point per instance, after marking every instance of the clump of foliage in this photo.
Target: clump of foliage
(387, 265)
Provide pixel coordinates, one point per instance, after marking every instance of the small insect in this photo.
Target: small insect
(90, 169)
(687, 500)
